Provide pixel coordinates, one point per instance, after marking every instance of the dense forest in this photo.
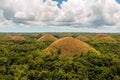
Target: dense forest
(27, 59)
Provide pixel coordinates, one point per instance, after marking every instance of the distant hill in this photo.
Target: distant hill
(104, 38)
(7, 37)
(68, 47)
(101, 36)
(15, 37)
(47, 37)
(18, 37)
(82, 38)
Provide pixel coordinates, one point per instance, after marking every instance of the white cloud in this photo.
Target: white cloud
(103, 14)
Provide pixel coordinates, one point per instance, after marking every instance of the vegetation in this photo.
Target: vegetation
(27, 60)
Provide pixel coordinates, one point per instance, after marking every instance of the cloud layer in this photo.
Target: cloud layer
(98, 14)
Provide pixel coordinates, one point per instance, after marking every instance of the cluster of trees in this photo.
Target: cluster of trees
(26, 60)
(38, 66)
(105, 48)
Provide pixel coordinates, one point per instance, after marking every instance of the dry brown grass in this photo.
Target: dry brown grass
(69, 47)
(82, 38)
(35, 34)
(105, 40)
(66, 35)
(7, 37)
(47, 37)
(18, 37)
(101, 36)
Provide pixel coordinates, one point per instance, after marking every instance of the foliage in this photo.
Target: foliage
(26, 60)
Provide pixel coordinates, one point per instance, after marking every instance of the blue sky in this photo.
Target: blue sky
(60, 2)
(118, 1)
(59, 16)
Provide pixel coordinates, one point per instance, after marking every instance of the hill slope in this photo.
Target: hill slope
(47, 37)
(69, 47)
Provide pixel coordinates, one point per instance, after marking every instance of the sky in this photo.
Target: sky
(60, 16)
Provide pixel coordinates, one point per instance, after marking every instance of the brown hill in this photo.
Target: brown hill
(69, 47)
(7, 37)
(47, 37)
(101, 36)
(82, 38)
(66, 35)
(105, 40)
(35, 34)
(18, 37)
